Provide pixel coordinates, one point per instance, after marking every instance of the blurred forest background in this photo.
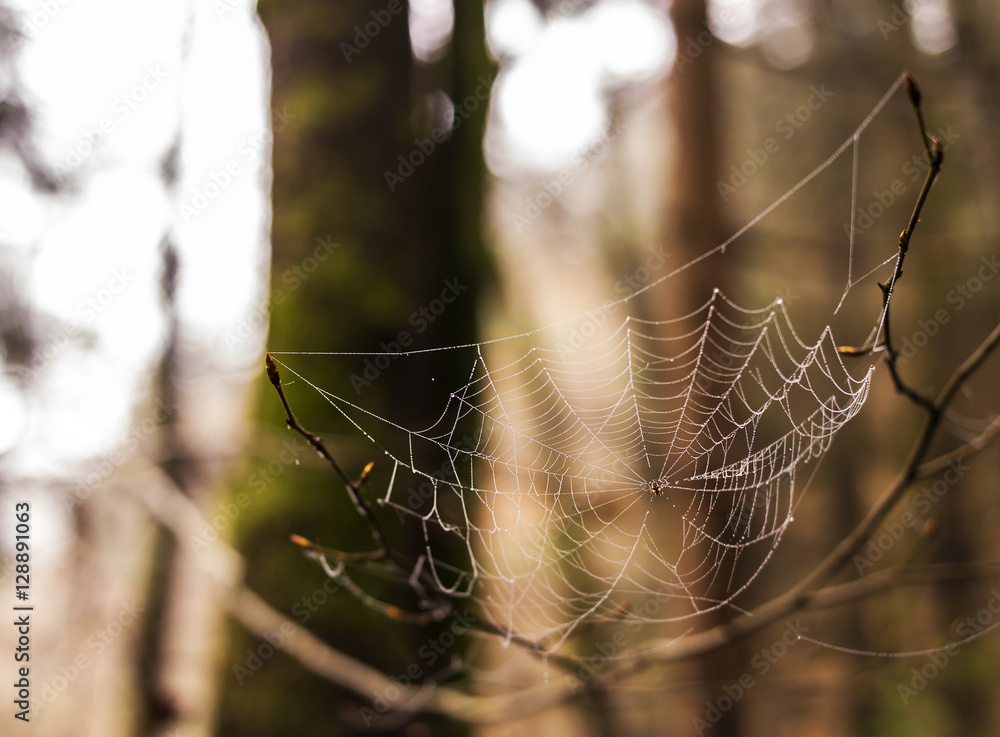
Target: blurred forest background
(187, 184)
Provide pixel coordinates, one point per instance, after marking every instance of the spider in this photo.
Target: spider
(657, 488)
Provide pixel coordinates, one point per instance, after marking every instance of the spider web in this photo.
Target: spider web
(659, 462)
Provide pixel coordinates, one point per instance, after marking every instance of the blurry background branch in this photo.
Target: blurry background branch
(809, 592)
(171, 508)
(530, 151)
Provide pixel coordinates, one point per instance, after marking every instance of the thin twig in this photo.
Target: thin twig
(913, 92)
(166, 504)
(362, 557)
(799, 596)
(183, 519)
(935, 155)
(437, 609)
(353, 487)
(811, 592)
(891, 355)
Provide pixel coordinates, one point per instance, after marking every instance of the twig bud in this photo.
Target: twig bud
(365, 471)
(272, 370)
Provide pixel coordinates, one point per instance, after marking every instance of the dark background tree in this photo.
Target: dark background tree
(403, 230)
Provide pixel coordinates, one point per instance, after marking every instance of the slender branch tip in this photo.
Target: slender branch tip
(911, 89)
(272, 370)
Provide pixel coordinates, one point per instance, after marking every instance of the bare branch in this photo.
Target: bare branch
(806, 591)
(971, 448)
(935, 155)
(353, 487)
(811, 592)
(967, 369)
(810, 587)
(437, 609)
(176, 513)
(881, 581)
